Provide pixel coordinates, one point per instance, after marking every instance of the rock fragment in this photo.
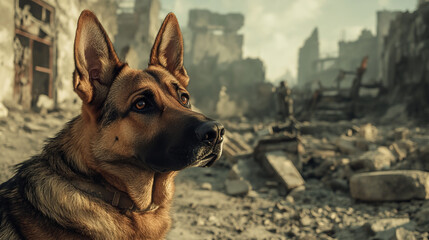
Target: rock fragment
(396, 185)
(379, 159)
(237, 187)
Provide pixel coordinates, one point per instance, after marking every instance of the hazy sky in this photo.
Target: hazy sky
(274, 30)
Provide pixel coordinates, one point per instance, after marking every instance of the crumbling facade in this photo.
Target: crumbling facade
(307, 57)
(216, 66)
(315, 72)
(215, 35)
(137, 29)
(384, 18)
(405, 58)
(351, 53)
(36, 47)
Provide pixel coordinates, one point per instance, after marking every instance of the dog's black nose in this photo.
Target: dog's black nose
(210, 132)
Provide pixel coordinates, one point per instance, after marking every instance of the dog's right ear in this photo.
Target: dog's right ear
(95, 60)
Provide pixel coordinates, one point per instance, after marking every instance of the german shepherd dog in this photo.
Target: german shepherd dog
(109, 174)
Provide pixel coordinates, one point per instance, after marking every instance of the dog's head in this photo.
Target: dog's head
(141, 118)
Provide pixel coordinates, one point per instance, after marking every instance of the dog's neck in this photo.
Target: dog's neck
(145, 188)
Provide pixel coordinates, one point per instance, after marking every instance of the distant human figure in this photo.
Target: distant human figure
(284, 102)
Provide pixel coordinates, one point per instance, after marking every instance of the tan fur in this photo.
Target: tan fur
(102, 146)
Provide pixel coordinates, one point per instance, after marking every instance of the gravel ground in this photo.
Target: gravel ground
(203, 210)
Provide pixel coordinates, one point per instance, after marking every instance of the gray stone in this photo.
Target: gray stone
(237, 187)
(399, 185)
(379, 159)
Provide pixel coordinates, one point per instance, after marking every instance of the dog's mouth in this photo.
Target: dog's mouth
(207, 161)
(178, 158)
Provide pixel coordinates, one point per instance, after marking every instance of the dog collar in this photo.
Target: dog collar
(112, 196)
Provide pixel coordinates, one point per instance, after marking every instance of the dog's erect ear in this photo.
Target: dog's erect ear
(167, 50)
(95, 60)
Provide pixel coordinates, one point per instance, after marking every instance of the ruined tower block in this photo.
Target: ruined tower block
(308, 55)
(384, 18)
(215, 35)
(137, 29)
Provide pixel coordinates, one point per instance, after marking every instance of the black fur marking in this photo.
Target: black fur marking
(109, 114)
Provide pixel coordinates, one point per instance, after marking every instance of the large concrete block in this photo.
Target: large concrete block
(398, 185)
(283, 169)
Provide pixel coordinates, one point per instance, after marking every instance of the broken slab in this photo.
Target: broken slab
(398, 185)
(235, 147)
(381, 158)
(282, 168)
(346, 145)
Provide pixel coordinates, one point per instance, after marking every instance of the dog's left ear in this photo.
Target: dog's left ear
(167, 50)
(95, 60)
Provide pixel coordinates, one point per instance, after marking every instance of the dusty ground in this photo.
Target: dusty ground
(319, 211)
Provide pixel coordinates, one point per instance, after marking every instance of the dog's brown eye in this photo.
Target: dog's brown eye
(141, 104)
(185, 99)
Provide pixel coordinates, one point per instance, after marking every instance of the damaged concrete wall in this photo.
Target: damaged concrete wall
(137, 32)
(66, 16)
(405, 58)
(307, 57)
(215, 35)
(6, 49)
(384, 18)
(217, 69)
(351, 54)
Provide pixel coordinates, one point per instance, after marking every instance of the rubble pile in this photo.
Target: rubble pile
(348, 180)
(318, 180)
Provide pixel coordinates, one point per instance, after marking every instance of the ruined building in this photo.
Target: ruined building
(315, 72)
(307, 57)
(215, 34)
(36, 46)
(404, 60)
(137, 29)
(214, 62)
(384, 18)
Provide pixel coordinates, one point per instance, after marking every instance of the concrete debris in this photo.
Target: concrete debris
(379, 159)
(237, 187)
(395, 185)
(235, 147)
(422, 219)
(400, 153)
(389, 228)
(346, 145)
(206, 186)
(45, 103)
(283, 169)
(401, 133)
(368, 132)
(33, 127)
(3, 111)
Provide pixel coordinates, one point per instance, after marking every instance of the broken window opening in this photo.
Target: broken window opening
(33, 46)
